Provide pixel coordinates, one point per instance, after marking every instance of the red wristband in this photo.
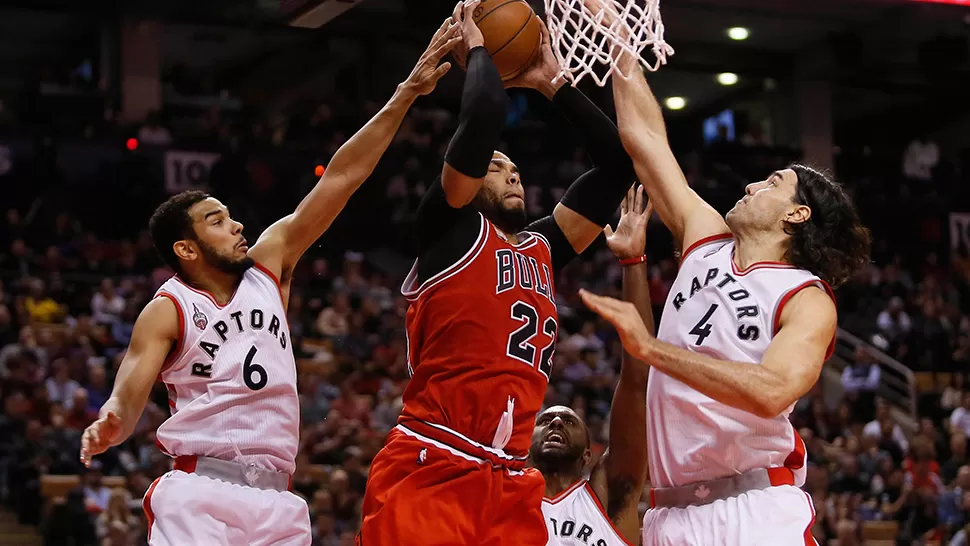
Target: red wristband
(634, 261)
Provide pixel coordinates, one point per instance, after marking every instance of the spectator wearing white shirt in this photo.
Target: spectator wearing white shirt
(960, 418)
(106, 304)
(873, 428)
(60, 386)
(894, 321)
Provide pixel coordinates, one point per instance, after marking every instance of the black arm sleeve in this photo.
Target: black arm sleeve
(559, 246)
(597, 193)
(484, 107)
(444, 233)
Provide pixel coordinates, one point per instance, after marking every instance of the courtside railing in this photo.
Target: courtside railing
(897, 382)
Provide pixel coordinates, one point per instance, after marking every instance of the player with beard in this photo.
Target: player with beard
(603, 509)
(482, 323)
(216, 335)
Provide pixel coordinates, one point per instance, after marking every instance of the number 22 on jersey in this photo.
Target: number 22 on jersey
(521, 346)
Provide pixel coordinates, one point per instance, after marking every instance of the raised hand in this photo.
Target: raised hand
(426, 72)
(542, 75)
(624, 316)
(630, 237)
(464, 16)
(99, 436)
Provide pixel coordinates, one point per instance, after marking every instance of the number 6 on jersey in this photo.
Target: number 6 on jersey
(251, 369)
(520, 344)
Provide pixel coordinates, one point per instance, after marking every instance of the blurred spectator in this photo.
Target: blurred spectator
(116, 525)
(106, 304)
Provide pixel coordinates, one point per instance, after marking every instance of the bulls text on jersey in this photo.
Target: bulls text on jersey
(516, 269)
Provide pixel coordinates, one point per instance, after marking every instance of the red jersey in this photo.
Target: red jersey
(481, 335)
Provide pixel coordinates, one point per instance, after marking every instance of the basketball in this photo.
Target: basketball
(511, 32)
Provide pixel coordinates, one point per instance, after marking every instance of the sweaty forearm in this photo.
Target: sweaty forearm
(484, 107)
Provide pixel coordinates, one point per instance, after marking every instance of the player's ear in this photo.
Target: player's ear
(587, 457)
(185, 250)
(799, 214)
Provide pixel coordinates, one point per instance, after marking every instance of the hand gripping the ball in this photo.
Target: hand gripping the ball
(472, 37)
(543, 74)
(426, 72)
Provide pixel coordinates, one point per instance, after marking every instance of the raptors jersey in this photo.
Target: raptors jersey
(481, 335)
(232, 379)
(576, 517)
(715, 309)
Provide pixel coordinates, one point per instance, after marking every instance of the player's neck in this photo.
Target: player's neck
(750, 249)
(219, 284)
(556, 483)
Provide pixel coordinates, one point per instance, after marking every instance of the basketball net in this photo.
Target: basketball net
(581, 39)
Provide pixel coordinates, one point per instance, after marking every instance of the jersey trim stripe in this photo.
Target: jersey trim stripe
(704, 241)
(456, 440)
(564, 493)
(757, 266)
(809, 539)
(175, 353)
(596, 500)
(439, 445)
(208, 294)
(796, 459)
(787, 296)
(450, 271)
(265, 271)
(146, 505)
(542, 238)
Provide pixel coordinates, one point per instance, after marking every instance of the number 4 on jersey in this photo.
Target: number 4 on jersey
(520, 346)
(703, 327)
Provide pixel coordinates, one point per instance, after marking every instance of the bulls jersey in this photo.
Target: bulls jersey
(576, 517)
(481, 335)
(715, 309)
(232, 378)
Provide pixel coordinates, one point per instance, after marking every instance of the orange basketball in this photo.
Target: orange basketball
(512, 35)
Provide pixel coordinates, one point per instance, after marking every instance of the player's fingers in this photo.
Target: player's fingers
(624, 205)
(638, 199)
(649, 212)
(470, 9)
(608, 231)
(457, 13)
(440, 71)
(444, 48)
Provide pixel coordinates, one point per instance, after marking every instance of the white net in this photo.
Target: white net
(581, 39)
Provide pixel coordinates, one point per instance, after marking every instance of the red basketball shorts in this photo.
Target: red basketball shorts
(422, 494)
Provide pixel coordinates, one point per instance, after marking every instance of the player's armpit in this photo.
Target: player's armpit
(155, 334)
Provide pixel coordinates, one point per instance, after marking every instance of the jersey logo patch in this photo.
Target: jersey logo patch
(199, 318)
(702, 492)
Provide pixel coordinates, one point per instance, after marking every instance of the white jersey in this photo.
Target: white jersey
(575, 517)
(717, 310)
(232, 379)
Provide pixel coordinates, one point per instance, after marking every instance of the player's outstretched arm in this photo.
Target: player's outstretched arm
(484, 107)
(619, 476)
(591, 199)
(283, 243)
(156, 332)
(644, 136)
(790, 366)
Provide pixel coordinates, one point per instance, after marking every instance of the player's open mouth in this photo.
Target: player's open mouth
(555, 438)
(242, 245)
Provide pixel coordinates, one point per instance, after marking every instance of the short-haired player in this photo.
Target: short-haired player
(482, 323)
(216, 335)
(748, 324)
(599, 506)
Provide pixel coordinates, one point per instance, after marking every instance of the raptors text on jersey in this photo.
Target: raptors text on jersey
(576, 517)
(232, 378)
(481, 336)
(730, 314)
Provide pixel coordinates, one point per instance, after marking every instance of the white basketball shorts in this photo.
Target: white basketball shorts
(186, 509)
(777, 516)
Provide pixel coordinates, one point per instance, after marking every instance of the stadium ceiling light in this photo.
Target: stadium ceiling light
(676, 103)
(727, 78)
(738, 33)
